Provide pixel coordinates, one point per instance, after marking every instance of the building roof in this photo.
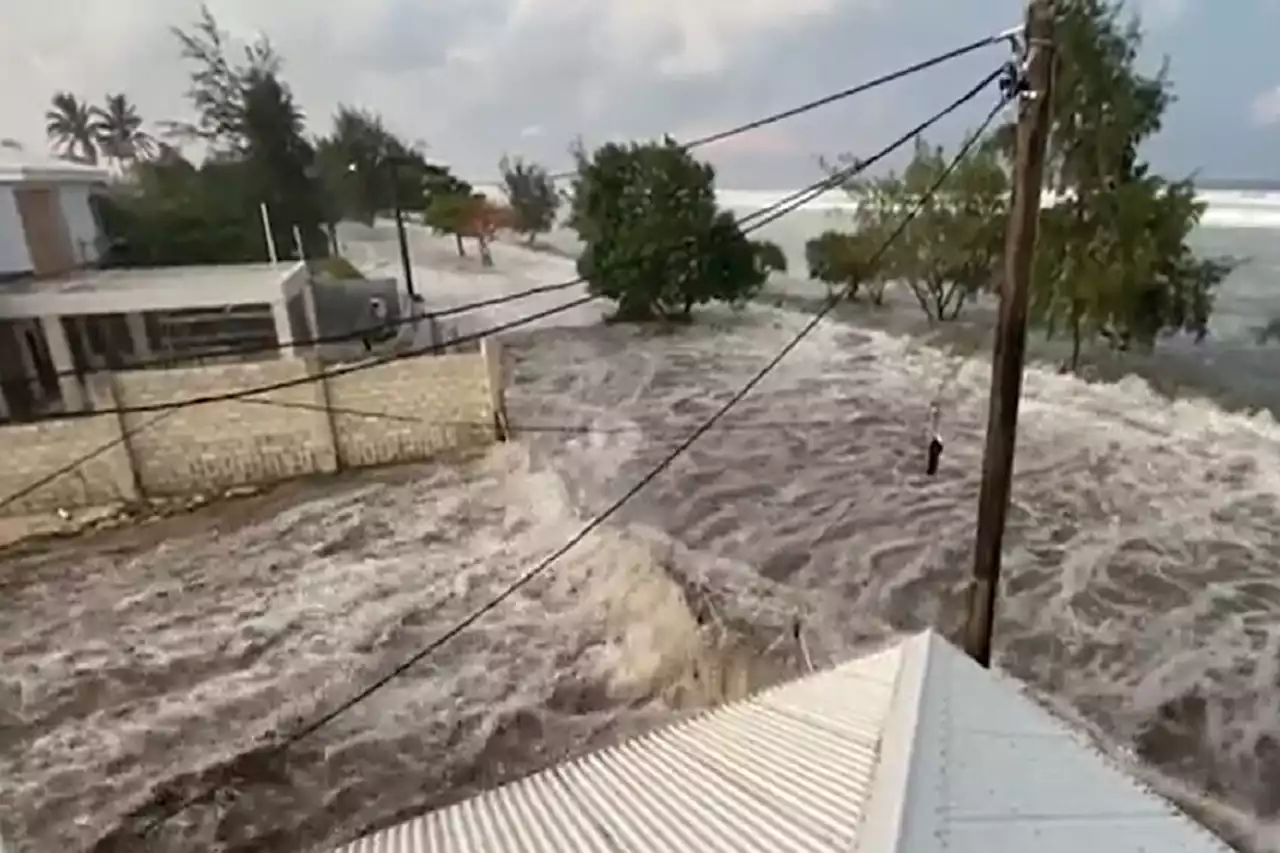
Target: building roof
(910, 750)
(150, 289)
(18, 166)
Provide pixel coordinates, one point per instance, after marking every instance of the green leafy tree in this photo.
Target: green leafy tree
(532, 196)
(176, 213)
(769, 257)
(69, 126)
(655, 241)
(450, 202)
(282, 163)
(119, 131)
(247, 115)
(953, 246)
(366, 167)
(219, 84)
(1113, 261)
(351, 164)
(848, 263)
(948, 253)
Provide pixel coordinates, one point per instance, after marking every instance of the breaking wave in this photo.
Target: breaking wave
(1226, 208)
(1141, 570)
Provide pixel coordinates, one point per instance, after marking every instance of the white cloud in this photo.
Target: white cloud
(471, 77)
(1265, 109)
(434, 68)
(1162, 13)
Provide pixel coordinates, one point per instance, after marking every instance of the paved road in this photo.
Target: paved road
(445, 280)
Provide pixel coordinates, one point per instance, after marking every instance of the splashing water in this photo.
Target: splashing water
(1141, 589)
(1143, 546)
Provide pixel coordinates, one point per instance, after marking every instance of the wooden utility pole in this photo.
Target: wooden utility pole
(1034, 114)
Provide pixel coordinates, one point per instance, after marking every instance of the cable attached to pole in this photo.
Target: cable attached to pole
(284, 740)
(1008, 36)
(753, 222)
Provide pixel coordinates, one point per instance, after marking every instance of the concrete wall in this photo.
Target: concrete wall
(220, 445)
(403, 411)
(82, 228)
(14, 255)
(342, 308)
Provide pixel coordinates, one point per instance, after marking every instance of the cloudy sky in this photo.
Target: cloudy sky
(477, 78)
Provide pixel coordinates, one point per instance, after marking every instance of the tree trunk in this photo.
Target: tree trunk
(920, 299)
(941, 295)
(1076, 337)
(462, 249)
(960, 295)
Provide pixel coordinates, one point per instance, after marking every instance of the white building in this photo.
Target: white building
(47, 225)
(62, 319)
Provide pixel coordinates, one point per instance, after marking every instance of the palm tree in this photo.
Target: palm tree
(118, 129)
(69, 125)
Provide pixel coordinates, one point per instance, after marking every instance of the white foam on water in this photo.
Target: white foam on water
(1225, 208)
(1142, 553)
(1142, 585)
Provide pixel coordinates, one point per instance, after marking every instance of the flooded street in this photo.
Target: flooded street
(145, 666)
(1143, 596)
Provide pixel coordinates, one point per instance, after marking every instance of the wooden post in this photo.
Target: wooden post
(1034, 114)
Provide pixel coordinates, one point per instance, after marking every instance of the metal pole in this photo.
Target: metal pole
(266, 227)
(1034, 115)
(400, 231)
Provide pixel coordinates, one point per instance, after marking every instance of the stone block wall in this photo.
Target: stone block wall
(404, 410)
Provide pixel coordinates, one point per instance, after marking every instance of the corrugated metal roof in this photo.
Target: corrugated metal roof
(912, 749)
(787, 770)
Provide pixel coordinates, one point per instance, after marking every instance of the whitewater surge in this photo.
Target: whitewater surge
(1142, 591)
(136, 676)
(1225, 208)
(1142, 588)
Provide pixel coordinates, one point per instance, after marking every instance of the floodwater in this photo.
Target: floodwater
(1143, 591)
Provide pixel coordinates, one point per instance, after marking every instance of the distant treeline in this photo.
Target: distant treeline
(1239, 184)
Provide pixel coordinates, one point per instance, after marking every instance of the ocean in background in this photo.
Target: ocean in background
(1230, 365)
(1141, 594)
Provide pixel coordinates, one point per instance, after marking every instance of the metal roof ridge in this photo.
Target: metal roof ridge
(992, 764)
(886, 816)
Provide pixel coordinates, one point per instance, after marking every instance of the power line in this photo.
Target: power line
(753, 221)
(285, 740)
(705, 427)
(83, 459)
(551, 428)
(517, 428)
(767, 215)
(1008, 36)
(882, 80)
(490, 302)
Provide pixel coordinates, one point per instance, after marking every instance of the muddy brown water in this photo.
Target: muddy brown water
(1142, 594)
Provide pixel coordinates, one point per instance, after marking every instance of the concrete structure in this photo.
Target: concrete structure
(912, 750)
(402, 410)
(47, 223)
(55, 332)
(61, 320)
